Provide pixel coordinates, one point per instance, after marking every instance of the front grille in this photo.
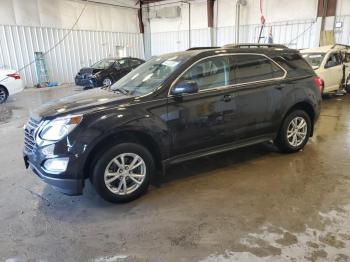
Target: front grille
(29, 135)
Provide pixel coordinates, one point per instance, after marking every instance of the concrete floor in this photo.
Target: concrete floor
(253, 204)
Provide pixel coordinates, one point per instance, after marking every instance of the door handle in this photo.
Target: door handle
(226, 98)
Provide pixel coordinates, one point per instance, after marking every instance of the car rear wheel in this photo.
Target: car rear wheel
(347, 85)
(123, 172)
(3, 95)
(107, 82)
(295, 132)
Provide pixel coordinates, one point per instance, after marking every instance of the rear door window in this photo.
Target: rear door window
(252, 68)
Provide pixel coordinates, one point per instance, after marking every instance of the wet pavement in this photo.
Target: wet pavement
(252, 204)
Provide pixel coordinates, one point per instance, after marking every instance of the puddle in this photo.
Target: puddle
(6, 113)
(277, 244)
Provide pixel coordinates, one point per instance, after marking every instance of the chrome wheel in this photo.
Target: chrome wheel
(107, 82)
(125, 173)
(3, 95)
(297, 131)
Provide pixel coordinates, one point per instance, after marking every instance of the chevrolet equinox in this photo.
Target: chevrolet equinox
(173, 108)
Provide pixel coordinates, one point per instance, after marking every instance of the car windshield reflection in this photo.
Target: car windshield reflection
(149, 76)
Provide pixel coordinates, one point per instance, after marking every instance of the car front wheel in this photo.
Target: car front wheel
(3, 95)
(123, 172)
(294, 132)
(107, 82)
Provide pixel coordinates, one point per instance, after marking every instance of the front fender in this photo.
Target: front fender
(102, 130)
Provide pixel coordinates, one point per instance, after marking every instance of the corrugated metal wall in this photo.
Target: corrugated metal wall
(166, 42)
(81, 48)
(342, 35)
(295, 34)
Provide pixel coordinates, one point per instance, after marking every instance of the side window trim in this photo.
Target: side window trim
(230, 85)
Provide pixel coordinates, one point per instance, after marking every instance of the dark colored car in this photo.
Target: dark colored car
(106, 72)
(173, 108)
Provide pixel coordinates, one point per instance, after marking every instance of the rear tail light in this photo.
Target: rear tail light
(14, 75)
(318, 83)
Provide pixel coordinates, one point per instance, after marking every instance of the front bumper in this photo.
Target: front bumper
(86, 82)
(64, 185)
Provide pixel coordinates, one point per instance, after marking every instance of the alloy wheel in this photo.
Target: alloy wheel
(297, 131)
(125, 173)
(107, 82)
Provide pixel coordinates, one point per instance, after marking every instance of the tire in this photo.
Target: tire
(294, 142)
(3, 94)
(109, 166)
(347, 85)
(107, 81)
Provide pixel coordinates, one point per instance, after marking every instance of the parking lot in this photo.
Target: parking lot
(245, 204)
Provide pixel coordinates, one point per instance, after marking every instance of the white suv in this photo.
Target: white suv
(332, 64)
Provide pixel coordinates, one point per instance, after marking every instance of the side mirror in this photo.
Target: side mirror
(330, 64)
(185, 87)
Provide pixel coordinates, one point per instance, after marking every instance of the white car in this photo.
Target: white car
(332, 64)
(10, 83)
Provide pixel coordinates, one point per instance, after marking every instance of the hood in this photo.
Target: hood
(80, 103)
(88, 71)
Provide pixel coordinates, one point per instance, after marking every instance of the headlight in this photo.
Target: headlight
(60, 127)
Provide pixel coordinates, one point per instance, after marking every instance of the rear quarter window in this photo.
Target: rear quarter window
(251, 68)
(294, 64)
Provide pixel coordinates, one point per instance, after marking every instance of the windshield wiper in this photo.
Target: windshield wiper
(120, 90)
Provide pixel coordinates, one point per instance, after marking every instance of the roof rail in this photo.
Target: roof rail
(202, 47)
(253, 45)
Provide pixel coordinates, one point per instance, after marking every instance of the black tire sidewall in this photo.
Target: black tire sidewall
(347, 84)
(104, 159)
(283, 142)
(6, 95)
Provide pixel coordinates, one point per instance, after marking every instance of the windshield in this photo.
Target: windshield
(314, 59)
(103, 64)
(150, 75)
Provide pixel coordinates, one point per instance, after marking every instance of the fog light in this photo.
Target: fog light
(48, 150)
(56, 165)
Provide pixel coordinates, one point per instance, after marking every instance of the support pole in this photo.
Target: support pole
(210, 11)
(145, 30)
(141, 25)
(238, 12)
(239, 3)
(189, 25)
(327, 13)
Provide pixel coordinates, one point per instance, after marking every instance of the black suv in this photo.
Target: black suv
(173, 108)
(106, 72)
